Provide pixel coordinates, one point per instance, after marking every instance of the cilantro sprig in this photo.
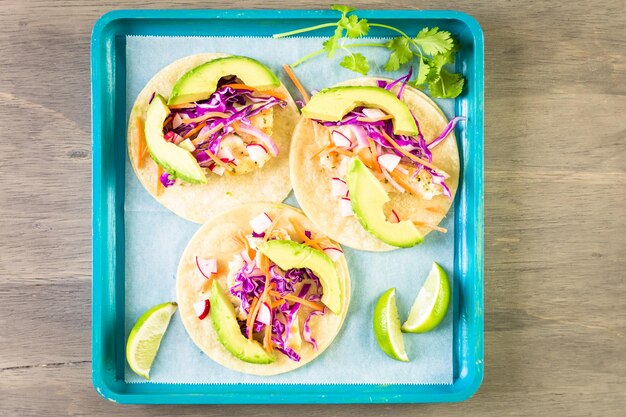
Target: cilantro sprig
(430, 50)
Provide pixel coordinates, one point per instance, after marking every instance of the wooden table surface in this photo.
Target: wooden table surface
(555, 230)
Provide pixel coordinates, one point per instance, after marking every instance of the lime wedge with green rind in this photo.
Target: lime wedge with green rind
(145, 337)
(431, 303)
(387, 326)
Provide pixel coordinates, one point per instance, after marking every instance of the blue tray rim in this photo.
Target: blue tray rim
(104, 249)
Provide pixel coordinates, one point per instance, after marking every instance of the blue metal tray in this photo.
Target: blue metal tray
(109, 150)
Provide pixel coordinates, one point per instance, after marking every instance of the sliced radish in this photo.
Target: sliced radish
(333, 253)
(202, 308)
(341, 140)
(393, 217)
(225, 155)
(207, 267)
(345, 207)
(262, 136)
(217, 169)
(389, 161)
(169, 136)
(187, 145)
(260, 223)
(257, 152)
(177, 121)
(265, 314)
(361, 136)
(374, 113)
(339, 187)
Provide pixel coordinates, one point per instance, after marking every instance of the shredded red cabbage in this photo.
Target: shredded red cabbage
(167, 180)
(449, 128)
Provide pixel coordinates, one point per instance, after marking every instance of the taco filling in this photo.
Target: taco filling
(274, 305)
(229, 133)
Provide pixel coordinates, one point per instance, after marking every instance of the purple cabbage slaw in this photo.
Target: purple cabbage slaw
(416, 145)
(239, 105)
(249, 283)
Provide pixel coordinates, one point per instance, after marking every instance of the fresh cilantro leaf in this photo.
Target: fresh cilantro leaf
(355, 27)
(401, 54)
(332, 44)
(448, 85)
(342, 8)
(422, 72)
(357, 63)
(434, 42)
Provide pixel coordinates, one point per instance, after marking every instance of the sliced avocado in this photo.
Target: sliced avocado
(172, 158)
(368, 197)
(331, 104)
(200, 82)
(229, 334)
(288, 254)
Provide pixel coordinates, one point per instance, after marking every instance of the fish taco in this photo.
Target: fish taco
(374, 163)
(261, 291)
(210, 132)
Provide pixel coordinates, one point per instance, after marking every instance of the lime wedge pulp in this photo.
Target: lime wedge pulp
(431, 304)
(387, 326)
(145, 337)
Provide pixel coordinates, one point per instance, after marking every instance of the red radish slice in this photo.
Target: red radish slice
(257, 152)
(259, 134)
(345, 207)
(177, 121)
(341, 140)
(265, 314)
(339, 187)
(260, 223)
(187, 145)
(333, 253)
(225, 155)
(217, 169)
(207, 267)
(394, 217)
(169, 136)
(374, 113)
(389, 161)
(361, 137)
(202, 308)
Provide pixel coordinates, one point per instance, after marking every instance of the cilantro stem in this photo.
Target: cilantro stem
(309, 29)
(321, 51)
(380, 25)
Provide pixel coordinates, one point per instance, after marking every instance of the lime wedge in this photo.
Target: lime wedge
(145, 337)
(387, 326)
(431, 304)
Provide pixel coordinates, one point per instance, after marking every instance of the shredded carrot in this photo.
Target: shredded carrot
(216, 159)
(431, 226)
(141, 143)
(311, 304)
(296, 83)
(269, 230)
(159, 189)
(372, 120)
(374, 155)
(343, 152)
(200, 139)
(252, 313)
(167, 120)
(330, 147)
(206, 285)
(278, 303)
(411, 156)
(300, 232)
(402, 181)
(204, 117)
(436, 210)
(276, 94)
(194, 130)
(251, 252)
